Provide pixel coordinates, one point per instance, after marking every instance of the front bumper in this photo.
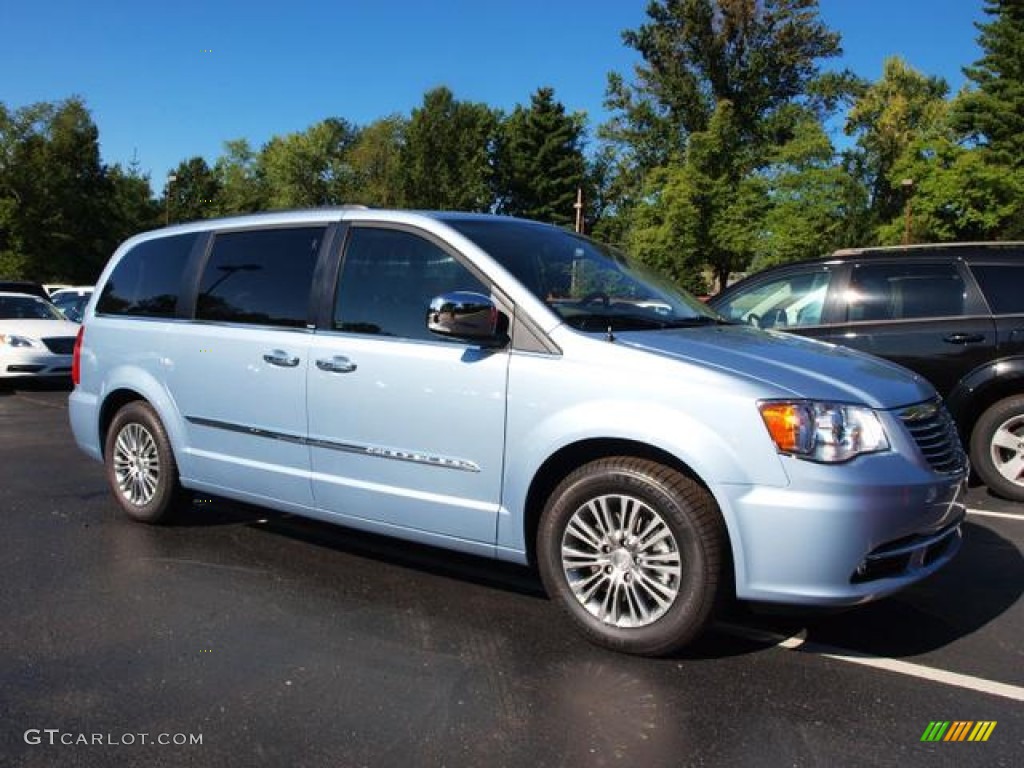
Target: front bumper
(843, 535)
(29, 361)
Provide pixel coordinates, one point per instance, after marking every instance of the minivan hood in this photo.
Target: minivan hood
(803, 367)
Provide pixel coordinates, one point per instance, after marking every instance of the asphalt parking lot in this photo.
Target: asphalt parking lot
(278, 641)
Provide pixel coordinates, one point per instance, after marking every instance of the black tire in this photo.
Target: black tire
(992, 460)
(622, 586)
(141, 469)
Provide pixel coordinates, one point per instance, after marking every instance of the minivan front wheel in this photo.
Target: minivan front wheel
(140, 465)
(632, 551)
(997, 448)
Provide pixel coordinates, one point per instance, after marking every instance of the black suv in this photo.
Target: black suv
(952, 312)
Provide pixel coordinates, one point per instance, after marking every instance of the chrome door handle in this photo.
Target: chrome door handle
(336, 364)
(281, 358)
(964, 338)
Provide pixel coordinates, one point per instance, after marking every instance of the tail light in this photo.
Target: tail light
(76, 358)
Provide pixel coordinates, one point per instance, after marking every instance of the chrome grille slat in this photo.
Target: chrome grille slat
(935, 434)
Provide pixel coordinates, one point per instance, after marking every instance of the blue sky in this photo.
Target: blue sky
(177, 78)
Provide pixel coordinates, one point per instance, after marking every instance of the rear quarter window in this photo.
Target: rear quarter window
(1003, 286)
(147, 279)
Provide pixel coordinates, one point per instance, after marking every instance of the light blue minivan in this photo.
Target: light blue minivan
(517, 391)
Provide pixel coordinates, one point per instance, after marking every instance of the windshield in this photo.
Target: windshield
(27, 308)
(593, 287)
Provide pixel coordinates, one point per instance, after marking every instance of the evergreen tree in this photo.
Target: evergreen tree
(192, 190)
(993, 113)
(447, 157)
(540, 161)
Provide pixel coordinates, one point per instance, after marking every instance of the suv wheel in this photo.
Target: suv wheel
(632, 551)
(140, 464)
(997, 448)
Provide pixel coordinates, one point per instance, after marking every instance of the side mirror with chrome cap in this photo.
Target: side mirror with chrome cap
(468, 316)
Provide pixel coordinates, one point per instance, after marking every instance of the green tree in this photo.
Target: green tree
(53, 193)
(540, 163)
(993, 112)
(192, 192)
(887, 117)
(309, 169)
(812, 205)
(376, 163)
(448, 153)
(959, 194)
(722, 84)
(242, 188)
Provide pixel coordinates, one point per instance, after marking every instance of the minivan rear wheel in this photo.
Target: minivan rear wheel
(997, 448)
(632, 552)
(140, 465)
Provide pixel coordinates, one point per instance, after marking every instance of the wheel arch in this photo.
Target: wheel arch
(574, 455)
(981, 389)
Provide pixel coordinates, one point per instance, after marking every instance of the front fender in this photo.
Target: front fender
(715, 456)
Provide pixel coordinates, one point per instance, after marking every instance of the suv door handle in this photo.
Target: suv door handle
(336, 364)
(964, 338)
(281, 358)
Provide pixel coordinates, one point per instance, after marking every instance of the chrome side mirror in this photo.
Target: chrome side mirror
(468, 316)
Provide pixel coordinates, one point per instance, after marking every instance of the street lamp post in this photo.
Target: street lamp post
(908, 191)
(171, 178)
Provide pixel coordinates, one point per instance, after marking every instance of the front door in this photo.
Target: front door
(406, 429)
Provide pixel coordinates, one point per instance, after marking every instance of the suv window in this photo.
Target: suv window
(790, 301)
(904, 291)
(147, 279)
(1001, 284)
(388, 279)
(260, 277)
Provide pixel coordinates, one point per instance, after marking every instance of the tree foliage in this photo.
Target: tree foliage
(540, 163)
(993, 112)
(447, 154)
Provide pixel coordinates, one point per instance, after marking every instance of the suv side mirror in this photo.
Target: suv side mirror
(468, 316)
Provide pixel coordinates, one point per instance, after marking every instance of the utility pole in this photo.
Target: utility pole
(908, 191)
(578, 205)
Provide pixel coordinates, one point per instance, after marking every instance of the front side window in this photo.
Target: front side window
(388, 279)
(793, 300)
(147, 279)
(880, 292)
(260, 277)
(1003, 286)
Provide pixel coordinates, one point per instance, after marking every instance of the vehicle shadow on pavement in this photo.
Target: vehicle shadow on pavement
(982, 582)
(212, 511)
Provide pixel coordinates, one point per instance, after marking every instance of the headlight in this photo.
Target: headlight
(826, 432)
(16, 341)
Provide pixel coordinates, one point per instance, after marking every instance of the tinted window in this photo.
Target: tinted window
(388, 279)
(789, 301)
(147, 279)
(261, 277)
(904, 291)
(1003, 286)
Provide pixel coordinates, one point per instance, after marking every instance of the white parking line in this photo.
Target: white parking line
(798, 642)
(1003, 515)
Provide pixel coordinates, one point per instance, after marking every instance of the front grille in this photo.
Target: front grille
(935, 434)
(60, 345)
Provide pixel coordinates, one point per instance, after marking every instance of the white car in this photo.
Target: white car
(35, 338)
